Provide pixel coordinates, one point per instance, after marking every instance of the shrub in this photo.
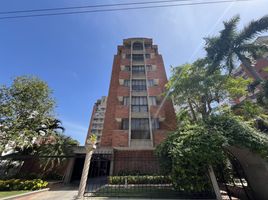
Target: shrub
(19, 184)
(115, 180)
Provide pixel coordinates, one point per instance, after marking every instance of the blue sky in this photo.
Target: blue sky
(74, 53)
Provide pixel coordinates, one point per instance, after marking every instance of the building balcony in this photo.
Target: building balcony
(139, 93)
(139, 114)
(138, 75)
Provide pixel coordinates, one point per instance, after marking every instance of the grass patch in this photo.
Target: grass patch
(11, 193)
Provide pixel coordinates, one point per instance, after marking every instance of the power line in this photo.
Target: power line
(91, 6)
(119, 9)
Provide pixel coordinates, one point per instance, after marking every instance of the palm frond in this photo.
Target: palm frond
(253, 29)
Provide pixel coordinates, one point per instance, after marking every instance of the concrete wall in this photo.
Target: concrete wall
(256, 170)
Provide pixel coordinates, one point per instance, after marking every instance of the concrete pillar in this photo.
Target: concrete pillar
(83, 181)
(69, 171)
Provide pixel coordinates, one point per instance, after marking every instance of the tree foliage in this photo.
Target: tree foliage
(188, 151)
(26, 113)
(232, 45)
(193, 89)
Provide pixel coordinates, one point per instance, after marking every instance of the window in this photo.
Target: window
(151, 82)
(124, 124)
(152, 101)
(128, 56)
(140, 128)
(137, 57)
(147, 46)
(126, 83)
(149, 67)
(147, 55)
(127, 46)
(138, 69)
(137, 46)
(127, 68)
(138, 85)
(139, 104)
(155, 123)
(125, 101)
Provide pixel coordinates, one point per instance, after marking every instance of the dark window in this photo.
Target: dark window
(126, 83)
(127, 68)
(147, 55)
(147, 46)
(128, 56)
(125, 101)
(137, 46)
(124, 124)
(155, 123)
(137, 57)
(140, 129)
(127, 46)
(139, 104)
(138, 69)
(150, 82)
(138, 85)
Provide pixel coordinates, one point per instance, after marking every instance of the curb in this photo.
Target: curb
(24, 194)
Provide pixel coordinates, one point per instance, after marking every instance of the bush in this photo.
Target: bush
(19, 184)
(115, 180)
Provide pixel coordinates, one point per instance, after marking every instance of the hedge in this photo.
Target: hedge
(20, 184)
(115, 180)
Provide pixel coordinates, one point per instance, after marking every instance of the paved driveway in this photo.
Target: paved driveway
(59, 193)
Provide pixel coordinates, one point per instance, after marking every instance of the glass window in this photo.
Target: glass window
(127, 68)
(139, 104)
(149, 67)
(138, 84)
(137, 57)
(125, 101)
(138, 69)
(155, 123)
(127, 46)
(150, 82)
(147, 55)
(137, 46)
(147, 46)
(152, 101)
(140, 128)
(126, 83)
(124, 124)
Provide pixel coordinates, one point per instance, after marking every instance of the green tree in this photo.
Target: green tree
(187, 153)
(232, 45)
(26, 113)
(194, 90)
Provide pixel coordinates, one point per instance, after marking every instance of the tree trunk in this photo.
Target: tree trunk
(251, 69)
(192, 110)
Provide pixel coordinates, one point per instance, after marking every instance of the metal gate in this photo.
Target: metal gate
(233, 181)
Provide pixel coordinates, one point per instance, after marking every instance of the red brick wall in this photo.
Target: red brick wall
(142, 161)
(112, 136)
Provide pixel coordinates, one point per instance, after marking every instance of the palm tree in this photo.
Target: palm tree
(232, 45)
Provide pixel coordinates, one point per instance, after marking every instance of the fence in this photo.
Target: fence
(123, 174)
(133, 174)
